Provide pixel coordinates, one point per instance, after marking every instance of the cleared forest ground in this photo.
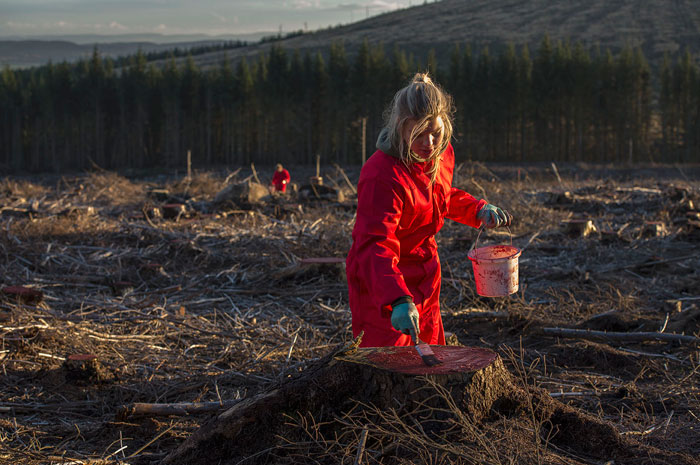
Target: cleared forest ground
(215, 304)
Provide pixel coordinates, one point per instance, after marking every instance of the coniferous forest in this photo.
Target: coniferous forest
(561, 102)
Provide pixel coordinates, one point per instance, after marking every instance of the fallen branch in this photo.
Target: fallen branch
(142, 448)
(347, 180)
(649, 354)
(361, 447)
(644, 264)
(179, 408)
(617, 336)
(255, 173)
(574, 394)
(81, 406)
(476, 313)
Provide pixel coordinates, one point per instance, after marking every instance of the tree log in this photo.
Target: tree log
(619, 336)
(179, 408)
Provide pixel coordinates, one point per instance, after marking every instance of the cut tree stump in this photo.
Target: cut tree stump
(311, 192)
(159, 195)
(244, 194)
(386, 377)
(579, 227)
(25, 295)
(558, 197)
(654, 229)
(173, 210)
(394, 379)
(85, 369)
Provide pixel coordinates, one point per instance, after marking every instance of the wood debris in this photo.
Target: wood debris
(205, 311)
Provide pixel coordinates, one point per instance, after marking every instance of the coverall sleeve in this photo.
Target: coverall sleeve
(379, 207)
(463, 207)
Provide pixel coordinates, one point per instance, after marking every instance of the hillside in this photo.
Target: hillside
(19, 52)
(658, 26)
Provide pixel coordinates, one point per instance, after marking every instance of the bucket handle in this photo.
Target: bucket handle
(481, 228)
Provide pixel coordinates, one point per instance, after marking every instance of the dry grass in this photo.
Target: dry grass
(216, 307)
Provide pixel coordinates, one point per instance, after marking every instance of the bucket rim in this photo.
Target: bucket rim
(472, 254)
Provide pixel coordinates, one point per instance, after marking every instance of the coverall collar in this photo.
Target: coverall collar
(385, 144)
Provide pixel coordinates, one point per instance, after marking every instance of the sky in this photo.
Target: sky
(62, 17)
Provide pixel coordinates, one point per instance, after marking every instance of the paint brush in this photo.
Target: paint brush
(424, 350)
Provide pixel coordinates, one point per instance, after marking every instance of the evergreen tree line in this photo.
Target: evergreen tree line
(563, 103)
(184, 51)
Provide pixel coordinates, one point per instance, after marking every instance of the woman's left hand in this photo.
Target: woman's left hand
(492, 217)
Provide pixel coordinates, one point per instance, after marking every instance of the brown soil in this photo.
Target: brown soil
(215, 305)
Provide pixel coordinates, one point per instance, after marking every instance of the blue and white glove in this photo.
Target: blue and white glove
(404, 317)
(492, 217)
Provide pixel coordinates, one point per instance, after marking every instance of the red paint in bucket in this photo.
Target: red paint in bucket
(495, 269)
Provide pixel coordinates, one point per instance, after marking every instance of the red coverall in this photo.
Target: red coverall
(394, 252)
(280, 180)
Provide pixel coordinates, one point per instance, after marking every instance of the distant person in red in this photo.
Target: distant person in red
(404, 194)
(280, 179)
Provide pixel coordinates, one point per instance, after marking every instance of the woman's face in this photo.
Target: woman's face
(425, 142)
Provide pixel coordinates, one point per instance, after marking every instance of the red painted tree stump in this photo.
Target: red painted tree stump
(25, 295)
(173, 210)
(387, 378)
(393, 379)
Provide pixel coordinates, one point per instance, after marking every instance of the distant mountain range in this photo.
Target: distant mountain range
(657, 26)
(90, 39)
(19, 51)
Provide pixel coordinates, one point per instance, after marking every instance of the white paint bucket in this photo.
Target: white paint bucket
(495, 268)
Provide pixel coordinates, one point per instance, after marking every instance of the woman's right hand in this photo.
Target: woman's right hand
(404, 317)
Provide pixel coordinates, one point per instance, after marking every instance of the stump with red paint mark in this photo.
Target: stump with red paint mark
(386, 378)
(25, 295)
(173, 210)
(394, 379)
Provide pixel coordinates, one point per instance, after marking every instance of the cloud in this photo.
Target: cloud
(384, 5)
(372, 5)
(303, 4)
(17, 25)
(171, 16)
(349, 6)
(117, 27)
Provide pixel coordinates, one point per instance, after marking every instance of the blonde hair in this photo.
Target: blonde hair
(421, 100)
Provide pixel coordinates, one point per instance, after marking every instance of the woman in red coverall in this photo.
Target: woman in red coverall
(280, 179)
(404, 193)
